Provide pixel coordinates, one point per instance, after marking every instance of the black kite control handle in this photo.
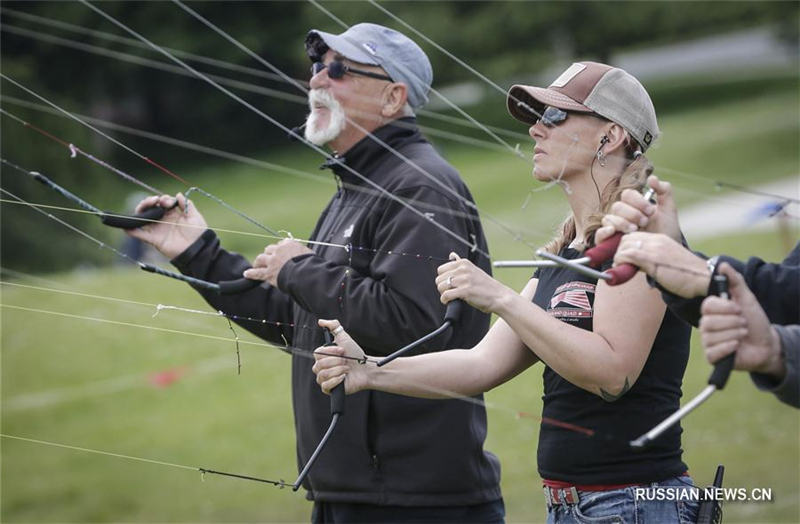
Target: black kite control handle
(452, 315)
(717, 380)
(108, 218)
(337, 394)
(723, 368)
(337, 400)
(337, 410)
(240, 285)
(225, 287)
(455, 308)
(132, 222)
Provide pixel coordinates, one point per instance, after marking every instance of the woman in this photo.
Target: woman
(613, 357)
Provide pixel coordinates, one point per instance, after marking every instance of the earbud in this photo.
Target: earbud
(601, 157)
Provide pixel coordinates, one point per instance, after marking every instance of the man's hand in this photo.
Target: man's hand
(176, 231)
(633, 212)
(677, 269)
(268, 264)
(740, 325)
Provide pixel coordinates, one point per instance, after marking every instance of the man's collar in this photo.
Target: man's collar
(367, 151)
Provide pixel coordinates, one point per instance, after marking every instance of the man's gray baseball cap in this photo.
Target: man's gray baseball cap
(373, 44)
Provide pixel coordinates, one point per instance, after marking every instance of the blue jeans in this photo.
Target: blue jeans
(620, 506)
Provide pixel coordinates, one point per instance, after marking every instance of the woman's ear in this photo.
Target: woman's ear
(613, 139)
(395, 97)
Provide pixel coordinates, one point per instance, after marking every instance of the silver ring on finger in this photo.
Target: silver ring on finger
(338, 330)
(450, 282)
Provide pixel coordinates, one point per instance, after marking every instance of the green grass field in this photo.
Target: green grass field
(78, 370)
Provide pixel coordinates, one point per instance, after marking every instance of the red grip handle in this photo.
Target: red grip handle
(621, 274)
(604, 250)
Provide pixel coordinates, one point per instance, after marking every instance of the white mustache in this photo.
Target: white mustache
(336, 122)
(321, 97)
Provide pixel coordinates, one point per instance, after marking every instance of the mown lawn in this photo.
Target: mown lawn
(79, 381)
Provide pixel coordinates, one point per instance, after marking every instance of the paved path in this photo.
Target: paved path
(733, 211)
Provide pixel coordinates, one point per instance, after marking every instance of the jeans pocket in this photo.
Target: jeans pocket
(596, 519)
(602, 507)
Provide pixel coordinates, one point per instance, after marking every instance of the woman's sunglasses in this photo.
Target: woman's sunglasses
(337, 69)
(552, 116)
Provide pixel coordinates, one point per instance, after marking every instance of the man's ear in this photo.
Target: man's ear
(395, 96)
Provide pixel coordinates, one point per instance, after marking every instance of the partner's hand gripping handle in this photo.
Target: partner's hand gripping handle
(605, 251)
(723, 368)
(451, 317)
(133, 221)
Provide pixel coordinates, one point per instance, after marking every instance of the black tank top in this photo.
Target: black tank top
(606, 457)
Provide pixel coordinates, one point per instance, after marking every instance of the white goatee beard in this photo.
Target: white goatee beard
(336, 119)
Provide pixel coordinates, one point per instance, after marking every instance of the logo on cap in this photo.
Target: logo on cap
(568, 75)
(369, 46)
(647, 138)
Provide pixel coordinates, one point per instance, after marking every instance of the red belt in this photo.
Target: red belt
(559, 492)
(557, 484)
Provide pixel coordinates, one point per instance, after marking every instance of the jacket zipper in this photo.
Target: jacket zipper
(339, 186)
(372, 432)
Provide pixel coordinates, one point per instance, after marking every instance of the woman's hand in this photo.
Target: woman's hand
(460, 278)
(331, 369)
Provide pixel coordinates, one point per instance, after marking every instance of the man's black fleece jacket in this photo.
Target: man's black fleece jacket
(388, 449)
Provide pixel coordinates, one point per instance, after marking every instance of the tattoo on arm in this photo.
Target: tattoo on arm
(609, 397)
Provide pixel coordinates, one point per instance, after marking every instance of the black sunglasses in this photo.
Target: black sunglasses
(337, 69)
(552, 116)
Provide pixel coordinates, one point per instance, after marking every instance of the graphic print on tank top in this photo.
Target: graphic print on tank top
(573, 301)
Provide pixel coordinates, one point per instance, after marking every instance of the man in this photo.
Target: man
(392, 459)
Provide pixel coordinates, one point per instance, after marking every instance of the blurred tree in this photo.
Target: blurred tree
(502, 39)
